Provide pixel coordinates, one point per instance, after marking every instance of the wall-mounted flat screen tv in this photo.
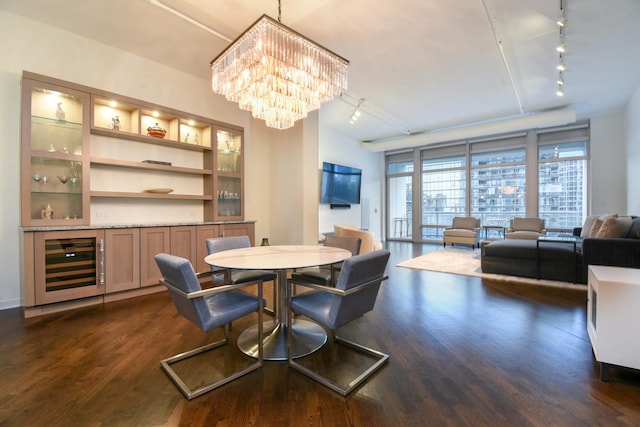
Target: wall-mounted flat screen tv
(340, 184)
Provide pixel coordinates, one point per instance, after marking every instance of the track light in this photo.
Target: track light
(356, 112)
(561, 49)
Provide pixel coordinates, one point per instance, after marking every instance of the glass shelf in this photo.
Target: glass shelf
(55, 136)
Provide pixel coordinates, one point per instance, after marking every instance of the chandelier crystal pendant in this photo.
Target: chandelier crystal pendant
(278, 74)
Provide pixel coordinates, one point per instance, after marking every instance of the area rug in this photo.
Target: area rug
(466, 262)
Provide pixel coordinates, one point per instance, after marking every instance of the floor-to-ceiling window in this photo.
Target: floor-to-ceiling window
(443, 191)
(399, 195)
(498, 185)
(562, 178)
(494, 179)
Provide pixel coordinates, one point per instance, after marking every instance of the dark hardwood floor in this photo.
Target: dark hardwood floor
(463, 353)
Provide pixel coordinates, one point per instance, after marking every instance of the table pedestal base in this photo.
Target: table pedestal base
(307, 338)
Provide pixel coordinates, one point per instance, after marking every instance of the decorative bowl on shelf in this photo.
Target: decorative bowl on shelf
(156, 131)
(159, 190)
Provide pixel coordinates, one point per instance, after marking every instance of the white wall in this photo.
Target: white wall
(632, 128)
(608, 173)
(336, 148)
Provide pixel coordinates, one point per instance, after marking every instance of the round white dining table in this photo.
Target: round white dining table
(307, 336)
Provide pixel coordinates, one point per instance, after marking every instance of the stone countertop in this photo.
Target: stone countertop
(108, 226)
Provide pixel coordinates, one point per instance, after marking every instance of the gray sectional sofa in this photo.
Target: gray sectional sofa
(620, 246)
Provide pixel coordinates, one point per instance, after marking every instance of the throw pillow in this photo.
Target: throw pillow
(588, 225)
(615, 227)
(598, 223)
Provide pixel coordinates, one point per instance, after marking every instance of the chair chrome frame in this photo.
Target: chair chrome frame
(381, 358)
(166, 363)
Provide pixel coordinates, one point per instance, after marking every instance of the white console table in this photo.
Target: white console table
(613, 316)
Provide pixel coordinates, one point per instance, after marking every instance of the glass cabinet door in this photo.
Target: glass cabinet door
(54, 140)
(229, 164)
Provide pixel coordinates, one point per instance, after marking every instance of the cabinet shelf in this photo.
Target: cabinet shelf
(127, 195)
(148, 166)
(148, 139)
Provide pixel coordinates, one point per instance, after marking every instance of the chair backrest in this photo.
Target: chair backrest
(356, 270)
(466, 222)
(219, 244)
(179, 273)
(527, 224)
(350, 243)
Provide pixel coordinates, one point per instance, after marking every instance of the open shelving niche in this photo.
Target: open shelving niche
(119, 171)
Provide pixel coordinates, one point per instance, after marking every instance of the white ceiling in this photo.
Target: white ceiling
(419, 65)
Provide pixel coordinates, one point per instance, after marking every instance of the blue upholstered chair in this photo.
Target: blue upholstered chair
(355, 294)
(327, 274)
(219, 244)
(208, 309)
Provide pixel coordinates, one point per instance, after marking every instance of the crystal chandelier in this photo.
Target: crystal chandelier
(278, 74)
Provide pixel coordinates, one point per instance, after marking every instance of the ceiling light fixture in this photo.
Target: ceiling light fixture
(277, 73)
(356, 112)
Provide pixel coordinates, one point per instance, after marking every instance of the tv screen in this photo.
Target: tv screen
(340, 184)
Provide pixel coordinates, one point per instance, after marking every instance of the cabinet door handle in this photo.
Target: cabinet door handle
(101, 262)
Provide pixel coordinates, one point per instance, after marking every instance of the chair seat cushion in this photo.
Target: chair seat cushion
(459, 232)
(314, 305)
(245, 276)
(319, 276)
(228, 306)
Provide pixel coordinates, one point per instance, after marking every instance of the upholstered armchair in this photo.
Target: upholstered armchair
(525, 228)
(463, 230)
(368, 242)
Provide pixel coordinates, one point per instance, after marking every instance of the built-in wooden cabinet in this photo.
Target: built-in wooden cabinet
(121, 259)
(154, 240)
(229, 174)
(87, 156)
(89, 153)
(55, 159)
(112, 263)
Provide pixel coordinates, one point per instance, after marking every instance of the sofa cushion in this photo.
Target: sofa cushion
(615, 227)
(588, 225)
(634, 231)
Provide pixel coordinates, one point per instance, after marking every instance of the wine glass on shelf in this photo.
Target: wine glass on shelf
(45, 179)
(63, 179)
(37, 178)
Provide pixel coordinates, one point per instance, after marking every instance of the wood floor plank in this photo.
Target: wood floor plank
(464, 352)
